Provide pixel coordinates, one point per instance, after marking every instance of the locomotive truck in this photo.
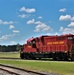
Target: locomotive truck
(56, 47)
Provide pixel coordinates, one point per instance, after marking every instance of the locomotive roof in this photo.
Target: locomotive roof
(65, 35)
(30, 39)
(46, 36)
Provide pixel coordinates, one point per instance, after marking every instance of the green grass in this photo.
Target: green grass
(62, 68)
(10, 54)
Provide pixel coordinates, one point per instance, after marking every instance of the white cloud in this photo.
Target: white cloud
(37, 30)
(11, 22)
(39, 26)
(31, 21)
(66, 17)
(61, 28)
(28, 10)
(50, 34)
(11, 27)
(38, 22)
(16, 31)
(56, 33)
(23, 16)
(42, 27)
(6, 22)
(72, 18)
(1, 22)
(71, 24)
(5, 37)
(67, 30)
(40, 17)
(13, 43)
(63, 10)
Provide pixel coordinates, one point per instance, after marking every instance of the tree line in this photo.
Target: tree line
(10, 48)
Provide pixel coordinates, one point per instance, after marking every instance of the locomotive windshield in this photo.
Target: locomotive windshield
(29, 43)
(32, 43)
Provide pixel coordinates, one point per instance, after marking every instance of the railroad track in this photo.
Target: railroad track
(18, 71)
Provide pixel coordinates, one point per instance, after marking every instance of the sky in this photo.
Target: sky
(23, 19)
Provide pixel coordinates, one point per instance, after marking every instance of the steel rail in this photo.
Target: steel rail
(10, 72)
(28, 71)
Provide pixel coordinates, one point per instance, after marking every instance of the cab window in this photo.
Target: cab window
(70, 38)
(33, 44)
(29, 43)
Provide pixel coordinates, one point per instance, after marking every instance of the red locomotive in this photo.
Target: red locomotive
(56, 47)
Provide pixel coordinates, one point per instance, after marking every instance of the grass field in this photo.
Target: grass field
(62, 68)
(10, 54)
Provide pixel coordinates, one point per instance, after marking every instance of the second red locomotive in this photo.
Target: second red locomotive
(56, 47)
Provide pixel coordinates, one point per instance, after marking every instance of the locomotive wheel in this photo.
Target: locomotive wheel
(61, 57)
(39, 58)
(54, 56)
(27, 57)
(72, 58)
(65, 57)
